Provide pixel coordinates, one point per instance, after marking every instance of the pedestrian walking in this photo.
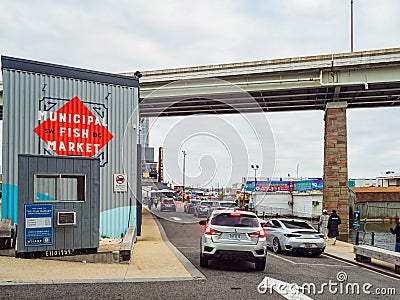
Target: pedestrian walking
(396, 231)
(333, 226)
(323, 223)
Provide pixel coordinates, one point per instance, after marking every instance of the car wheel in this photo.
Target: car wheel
(260, 264)
(203, 261)
(276, 247)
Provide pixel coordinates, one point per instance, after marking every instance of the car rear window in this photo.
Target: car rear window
(168, 201)
(296, 225)
(206, 203)
(227, 219)
(227, 204)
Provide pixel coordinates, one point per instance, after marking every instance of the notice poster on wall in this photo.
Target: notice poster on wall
(120, 183)
(38, 225)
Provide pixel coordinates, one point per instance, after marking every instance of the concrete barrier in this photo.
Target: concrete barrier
(364, 253)
(127, 245)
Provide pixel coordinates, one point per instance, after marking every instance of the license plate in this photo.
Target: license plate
(234, 236)
(308, 245)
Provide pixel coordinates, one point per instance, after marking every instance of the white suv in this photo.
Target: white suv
(234, 235)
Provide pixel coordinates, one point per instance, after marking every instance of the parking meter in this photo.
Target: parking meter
(356, 220)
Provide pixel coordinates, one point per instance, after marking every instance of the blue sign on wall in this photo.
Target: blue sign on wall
(38, 225)
(285, 186)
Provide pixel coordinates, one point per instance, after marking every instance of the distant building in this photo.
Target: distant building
(144, 132)
(297, 204)
(390, 178)
(375, 202)
(361, 182)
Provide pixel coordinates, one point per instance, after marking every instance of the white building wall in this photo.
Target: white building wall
(304, 205)
(307, 205)
(273, 203)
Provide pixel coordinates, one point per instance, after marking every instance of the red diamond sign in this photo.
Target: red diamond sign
(73, 130)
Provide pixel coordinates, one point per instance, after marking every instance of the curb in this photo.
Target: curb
(371, 268)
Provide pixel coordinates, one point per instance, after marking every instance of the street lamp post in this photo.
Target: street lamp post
(351, 27)
(184, 168)
(255, 168)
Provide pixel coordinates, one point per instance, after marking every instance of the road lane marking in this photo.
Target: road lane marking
(287, 290)
(176, 218)
(306, 263)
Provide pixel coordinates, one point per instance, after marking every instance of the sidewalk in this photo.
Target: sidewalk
(153, 259)
(345, 252)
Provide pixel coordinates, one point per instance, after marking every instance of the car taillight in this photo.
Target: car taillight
(162, 202)
(260, 233)
(209, 230)
(290, 235)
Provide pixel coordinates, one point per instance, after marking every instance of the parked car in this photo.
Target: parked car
(188, 207)
(201, 210)
(167, 204)
(295, 236)
(233, 235)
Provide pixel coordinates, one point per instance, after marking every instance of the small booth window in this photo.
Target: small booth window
(60, 187)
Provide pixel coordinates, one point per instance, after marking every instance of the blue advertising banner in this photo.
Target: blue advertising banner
(318, 184)
(38, 225)
(302, 185)
(277, 185)
(268, 186)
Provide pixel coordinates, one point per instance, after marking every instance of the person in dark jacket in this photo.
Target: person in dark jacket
(396, 231)
(333, 226)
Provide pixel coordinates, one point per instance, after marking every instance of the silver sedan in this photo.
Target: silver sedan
(294, 236)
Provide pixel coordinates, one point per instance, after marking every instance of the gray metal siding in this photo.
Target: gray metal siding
(25, 91)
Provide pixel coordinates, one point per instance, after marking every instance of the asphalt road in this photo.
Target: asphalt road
(226, 280)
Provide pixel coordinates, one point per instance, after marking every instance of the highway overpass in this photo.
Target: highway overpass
(361, 79)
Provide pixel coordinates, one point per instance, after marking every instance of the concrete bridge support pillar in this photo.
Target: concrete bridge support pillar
(336, 194)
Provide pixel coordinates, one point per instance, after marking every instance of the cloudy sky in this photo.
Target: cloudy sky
(120, 36)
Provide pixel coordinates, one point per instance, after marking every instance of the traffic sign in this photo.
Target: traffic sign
(120, 183)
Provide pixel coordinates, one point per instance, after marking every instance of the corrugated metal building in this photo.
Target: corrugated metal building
(60, 110)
